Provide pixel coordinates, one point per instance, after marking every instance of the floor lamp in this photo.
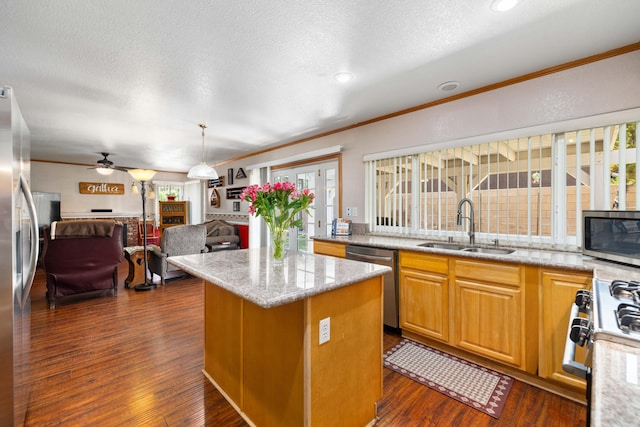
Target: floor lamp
(144, 176)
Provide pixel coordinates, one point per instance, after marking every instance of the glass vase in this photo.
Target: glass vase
(279, 243)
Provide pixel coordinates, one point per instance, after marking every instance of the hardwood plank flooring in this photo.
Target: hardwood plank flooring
(136, 360)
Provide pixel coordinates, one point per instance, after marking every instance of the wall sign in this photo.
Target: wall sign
(234, 193)
(216, 182)
(101, 188)
(240, 174)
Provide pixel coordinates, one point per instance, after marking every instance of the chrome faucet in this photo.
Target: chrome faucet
(472, 238)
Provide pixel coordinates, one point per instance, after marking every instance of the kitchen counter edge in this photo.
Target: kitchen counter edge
(601, 269)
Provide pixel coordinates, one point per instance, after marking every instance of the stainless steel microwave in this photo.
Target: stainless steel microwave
(612, 235)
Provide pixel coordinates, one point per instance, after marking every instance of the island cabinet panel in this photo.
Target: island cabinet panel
(558, 293)
(273, 364)
(329, 248)
(270, 365)
(222, 335)
(346, 372)
(424, 295)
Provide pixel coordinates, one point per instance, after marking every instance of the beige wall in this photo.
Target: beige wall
(604, 87)
(65, 179)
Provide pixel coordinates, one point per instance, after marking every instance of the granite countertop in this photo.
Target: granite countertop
(252, 275)
(615, 387)
(546, 258)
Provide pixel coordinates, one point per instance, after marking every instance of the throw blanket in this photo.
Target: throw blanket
(82, 228)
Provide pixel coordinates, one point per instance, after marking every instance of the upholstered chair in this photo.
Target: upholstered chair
(81, 256)
(177, 240)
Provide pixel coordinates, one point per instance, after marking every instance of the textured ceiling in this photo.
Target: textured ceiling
(134, 78)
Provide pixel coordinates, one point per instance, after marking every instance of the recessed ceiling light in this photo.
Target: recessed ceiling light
(448, 86)
(343, 77)
(503, 5)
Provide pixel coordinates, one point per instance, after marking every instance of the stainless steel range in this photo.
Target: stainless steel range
(609, 311)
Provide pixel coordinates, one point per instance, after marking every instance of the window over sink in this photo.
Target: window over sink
(525, 190)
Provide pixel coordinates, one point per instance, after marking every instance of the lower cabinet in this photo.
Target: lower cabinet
(484, 307)
(424, 295)
(515, 314)
(489, 314)
(558, 293)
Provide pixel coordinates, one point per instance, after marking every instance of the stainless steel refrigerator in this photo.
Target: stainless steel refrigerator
(18, 257)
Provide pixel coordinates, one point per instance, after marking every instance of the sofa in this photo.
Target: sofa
(81, 256)
(176, 240)
(221, 235)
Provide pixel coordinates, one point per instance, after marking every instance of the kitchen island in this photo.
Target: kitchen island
(262, 335)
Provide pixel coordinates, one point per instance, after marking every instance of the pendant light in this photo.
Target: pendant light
(203, 170)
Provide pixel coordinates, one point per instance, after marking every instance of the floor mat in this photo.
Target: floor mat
(480, 388)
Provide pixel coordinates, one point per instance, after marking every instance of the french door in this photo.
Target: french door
(322, 180)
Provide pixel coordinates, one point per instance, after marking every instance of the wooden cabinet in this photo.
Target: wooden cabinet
(488, 302)
(329, 248)
(485, 307)
(172, 213)
(281, 376)
(558, 293)
(424, 294)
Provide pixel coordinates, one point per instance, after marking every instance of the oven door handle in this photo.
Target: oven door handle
(569, 365)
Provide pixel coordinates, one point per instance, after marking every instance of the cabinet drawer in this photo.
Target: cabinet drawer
(332, 249)
(504, 274)
(419, 261)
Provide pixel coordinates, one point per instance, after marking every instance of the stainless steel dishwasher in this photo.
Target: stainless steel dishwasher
(382, 257)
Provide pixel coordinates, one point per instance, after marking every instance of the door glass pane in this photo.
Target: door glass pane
(304, 234)
(322, 180)
(331, 201)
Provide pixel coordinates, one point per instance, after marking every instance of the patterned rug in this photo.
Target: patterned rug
(474, 385)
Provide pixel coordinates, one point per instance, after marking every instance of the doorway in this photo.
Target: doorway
(322, 180)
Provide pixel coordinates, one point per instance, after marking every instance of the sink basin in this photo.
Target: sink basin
(492, 251)
(435, 245)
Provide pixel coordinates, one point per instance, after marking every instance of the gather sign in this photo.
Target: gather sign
(101, 188)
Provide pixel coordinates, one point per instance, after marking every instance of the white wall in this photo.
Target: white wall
(65, 179)
(606, 86)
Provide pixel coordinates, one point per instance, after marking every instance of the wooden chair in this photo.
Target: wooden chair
(153, 234)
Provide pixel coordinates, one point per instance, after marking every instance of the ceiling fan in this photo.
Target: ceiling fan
(106, 166)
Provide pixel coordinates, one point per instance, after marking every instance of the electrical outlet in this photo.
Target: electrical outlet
(348, 211)
(354, 211)
(325, 330)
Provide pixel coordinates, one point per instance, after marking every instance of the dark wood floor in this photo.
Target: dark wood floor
(136, 359)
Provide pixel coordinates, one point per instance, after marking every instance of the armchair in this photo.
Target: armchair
(177, 240)
(81, 256)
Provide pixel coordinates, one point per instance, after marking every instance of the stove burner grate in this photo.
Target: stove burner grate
(625, 289)
(628, 316)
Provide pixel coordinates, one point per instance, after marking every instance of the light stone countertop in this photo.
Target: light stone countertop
(616, 378)
(252, 275)
(545, 258)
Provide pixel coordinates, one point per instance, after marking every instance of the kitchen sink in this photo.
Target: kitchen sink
(435, 245)
(491, 251)
(466, 248)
